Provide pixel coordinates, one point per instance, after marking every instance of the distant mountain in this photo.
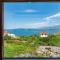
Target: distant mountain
(29, 32)
(55, 27)
(51, 27)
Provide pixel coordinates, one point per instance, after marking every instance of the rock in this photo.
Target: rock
(50, 51)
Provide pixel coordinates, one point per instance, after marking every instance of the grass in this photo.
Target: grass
(12, 49)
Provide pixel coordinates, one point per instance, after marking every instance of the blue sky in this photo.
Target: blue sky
(31, 14)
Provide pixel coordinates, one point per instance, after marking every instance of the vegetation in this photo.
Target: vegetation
(28, 44)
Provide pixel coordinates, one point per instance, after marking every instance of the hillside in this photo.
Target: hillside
(25, 46)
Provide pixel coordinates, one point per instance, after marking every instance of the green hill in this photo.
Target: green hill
(27, 44)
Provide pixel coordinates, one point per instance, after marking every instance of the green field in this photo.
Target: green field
(27, 44)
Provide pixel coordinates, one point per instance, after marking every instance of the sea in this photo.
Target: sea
(29, 32)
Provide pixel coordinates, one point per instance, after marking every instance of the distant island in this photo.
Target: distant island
(28, 32)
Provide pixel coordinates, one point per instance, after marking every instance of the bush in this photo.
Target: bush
(32, 43)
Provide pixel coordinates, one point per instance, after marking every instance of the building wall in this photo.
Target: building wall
(43, 35)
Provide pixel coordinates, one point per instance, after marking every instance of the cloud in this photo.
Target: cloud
(38, 25)
(34, 25)
(30, 10)
(48, 21)
(53, 19)
(53, 16)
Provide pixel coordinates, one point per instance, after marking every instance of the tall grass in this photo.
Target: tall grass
(15, 48)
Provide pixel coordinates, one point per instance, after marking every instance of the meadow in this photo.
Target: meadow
(27, 44)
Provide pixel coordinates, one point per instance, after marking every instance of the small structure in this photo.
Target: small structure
(9, 34)
(5, 33)
(43, 34)
(12, 35)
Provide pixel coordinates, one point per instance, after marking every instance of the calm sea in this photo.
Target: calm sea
(28, 32)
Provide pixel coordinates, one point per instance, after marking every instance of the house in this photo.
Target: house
(9, 34)
(43, 34)
(5, 33)
(12, 35)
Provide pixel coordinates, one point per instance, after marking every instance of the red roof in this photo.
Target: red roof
(43, 33)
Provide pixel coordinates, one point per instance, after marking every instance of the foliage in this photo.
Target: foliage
(11, 48)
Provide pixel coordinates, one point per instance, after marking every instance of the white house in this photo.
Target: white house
(9, 34)
(43, 34)
(12, 35)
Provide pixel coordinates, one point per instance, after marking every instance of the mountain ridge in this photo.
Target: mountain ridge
(50, 27)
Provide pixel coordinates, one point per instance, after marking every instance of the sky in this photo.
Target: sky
(31, 14)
